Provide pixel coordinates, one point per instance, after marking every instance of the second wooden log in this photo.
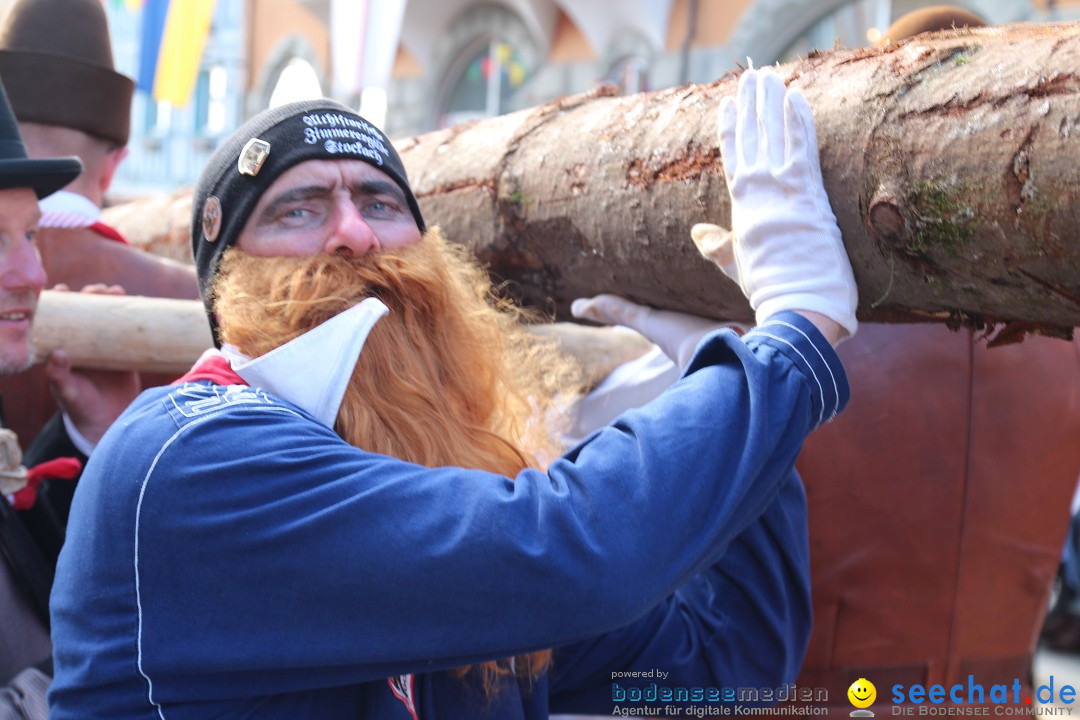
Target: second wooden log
(130, 332)
(121, 332)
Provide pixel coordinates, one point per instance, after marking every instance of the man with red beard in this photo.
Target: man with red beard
(301, 529)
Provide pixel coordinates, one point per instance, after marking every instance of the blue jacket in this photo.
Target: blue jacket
(228, 556)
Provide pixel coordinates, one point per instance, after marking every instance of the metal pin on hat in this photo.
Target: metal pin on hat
(253, 156)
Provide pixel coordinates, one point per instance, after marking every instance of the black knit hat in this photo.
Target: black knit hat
(42, 175)
(264, 147)
(57, 64)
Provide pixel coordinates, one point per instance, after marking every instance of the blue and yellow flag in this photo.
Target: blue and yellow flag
(173, 36)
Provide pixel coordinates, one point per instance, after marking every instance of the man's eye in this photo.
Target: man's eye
(379, 209)
(295, 216)
(31, 235)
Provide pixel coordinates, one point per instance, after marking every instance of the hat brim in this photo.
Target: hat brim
(42, 175)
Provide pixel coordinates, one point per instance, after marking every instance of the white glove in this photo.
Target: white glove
(786, 253)
(676, 334)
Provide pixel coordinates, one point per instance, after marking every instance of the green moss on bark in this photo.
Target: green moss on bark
(941, 219)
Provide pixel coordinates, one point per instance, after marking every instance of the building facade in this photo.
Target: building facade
(433, 63)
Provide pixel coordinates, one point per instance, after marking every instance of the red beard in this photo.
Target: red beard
(448, 377)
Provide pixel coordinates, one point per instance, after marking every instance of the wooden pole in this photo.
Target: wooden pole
(121, 332)
(131, 332)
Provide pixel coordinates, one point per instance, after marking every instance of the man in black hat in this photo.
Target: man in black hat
(24, 573)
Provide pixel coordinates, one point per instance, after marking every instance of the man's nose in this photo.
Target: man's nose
(21, 269)
(350, 234)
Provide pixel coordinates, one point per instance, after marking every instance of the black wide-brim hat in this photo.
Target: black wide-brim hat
(42, 175)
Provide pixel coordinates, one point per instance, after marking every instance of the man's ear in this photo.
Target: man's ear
(112, 161)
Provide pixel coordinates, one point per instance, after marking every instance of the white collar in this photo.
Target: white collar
(65, 209)
(313, 370)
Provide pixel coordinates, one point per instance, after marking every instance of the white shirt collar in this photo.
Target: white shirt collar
(313, 370)
(65, 209)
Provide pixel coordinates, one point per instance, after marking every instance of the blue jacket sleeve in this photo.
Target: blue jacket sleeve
(266, 551)
(743, 623)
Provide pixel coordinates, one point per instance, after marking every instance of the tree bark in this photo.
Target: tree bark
(950, 161)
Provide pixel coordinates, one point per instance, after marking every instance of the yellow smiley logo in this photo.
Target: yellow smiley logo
(862, 693)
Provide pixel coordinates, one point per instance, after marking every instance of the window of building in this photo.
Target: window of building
(487, 84)
(210, 91)
(149, 116)
(159, 116)
(202, 99)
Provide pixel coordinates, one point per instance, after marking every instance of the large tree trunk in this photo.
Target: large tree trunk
(950, 161)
